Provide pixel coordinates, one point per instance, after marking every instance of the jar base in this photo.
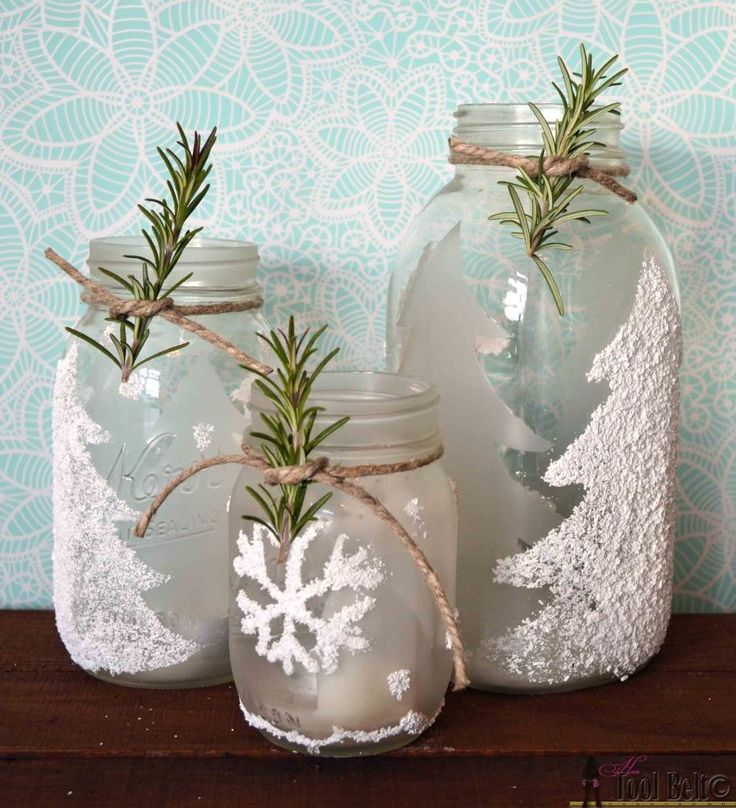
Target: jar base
(122, 681)
(343, 750)
(540, 689)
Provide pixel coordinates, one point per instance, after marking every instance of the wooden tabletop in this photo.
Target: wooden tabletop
(69, 739)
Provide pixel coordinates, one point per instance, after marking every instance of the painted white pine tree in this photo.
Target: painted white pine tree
(446, 333)
(99, 581)
(608, 566)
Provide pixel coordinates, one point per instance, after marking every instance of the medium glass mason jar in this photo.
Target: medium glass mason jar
(151, 612)
(341, 650)
(560, 431)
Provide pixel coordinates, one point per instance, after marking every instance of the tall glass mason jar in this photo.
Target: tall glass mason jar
(560, 431)
(151, 612)
(341, 650)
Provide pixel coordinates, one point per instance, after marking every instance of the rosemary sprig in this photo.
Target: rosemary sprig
(167, 239)
(289, 439)
(549, 198)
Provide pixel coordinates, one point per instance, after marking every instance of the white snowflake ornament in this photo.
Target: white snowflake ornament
(289, 606)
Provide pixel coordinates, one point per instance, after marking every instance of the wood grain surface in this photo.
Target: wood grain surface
(69, 739)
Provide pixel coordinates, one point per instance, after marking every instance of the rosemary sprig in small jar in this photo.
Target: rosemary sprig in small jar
(289, 439)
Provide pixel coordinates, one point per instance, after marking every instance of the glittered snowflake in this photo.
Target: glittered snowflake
(288, 629)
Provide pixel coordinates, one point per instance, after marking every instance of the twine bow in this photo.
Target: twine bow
(97, 295)
(338, 477)
(462, 153)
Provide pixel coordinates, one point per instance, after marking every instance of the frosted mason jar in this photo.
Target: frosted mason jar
(151, 612)
(341, 650)
(560, 432)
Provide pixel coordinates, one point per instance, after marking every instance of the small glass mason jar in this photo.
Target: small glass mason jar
(151, 612)
(341, 650)
(560, 431)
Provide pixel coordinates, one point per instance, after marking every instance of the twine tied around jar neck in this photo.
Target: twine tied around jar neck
(97, 295)
(341, 478)
(462, 153)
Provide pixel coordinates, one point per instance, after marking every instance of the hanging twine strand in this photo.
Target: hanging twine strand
(462, 153)
(97, 295)
(340, 478)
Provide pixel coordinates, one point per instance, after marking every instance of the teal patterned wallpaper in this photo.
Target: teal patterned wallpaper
(333, 117)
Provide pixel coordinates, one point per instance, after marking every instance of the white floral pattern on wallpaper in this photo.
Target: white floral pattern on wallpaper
(333, 116)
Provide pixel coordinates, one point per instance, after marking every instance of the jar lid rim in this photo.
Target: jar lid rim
(364, 393)
(211, 263)
(235, 248)
(511, 113)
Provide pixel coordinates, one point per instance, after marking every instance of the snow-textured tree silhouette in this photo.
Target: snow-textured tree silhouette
(609, 564)
(293, 610)
(445, 332)
(99, 581)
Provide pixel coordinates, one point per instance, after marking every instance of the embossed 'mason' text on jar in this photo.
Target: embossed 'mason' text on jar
(151, 612)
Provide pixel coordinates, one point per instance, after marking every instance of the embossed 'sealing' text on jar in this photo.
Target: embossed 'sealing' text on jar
(151, 612)
(341, 649)
(560, 432)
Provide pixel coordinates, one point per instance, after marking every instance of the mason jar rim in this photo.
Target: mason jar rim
(231, 249)
(520, 114)
(387, 411)
(221, 264)
(513, 128)
(363, 392)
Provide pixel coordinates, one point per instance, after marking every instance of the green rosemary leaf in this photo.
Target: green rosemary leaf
(273, 343)
(175, 286)
(578, 214)
(260, 521)
(551, 282)
(264, 498)
(566, 78)
(310, 513)
(122, 323)
(521, 219)
(283, 404)
(117, 278)
(325, 433)
(101, 348)
(547, 136)
(554, 245)
(161, 353)
(604, 68)
(307, 386)
(265, 436)
(120, 347)
(274, 456)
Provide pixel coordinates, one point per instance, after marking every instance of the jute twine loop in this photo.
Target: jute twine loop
(293, 475)
(140, 308)
(97, 295)
(462, 153)
(337, 477)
